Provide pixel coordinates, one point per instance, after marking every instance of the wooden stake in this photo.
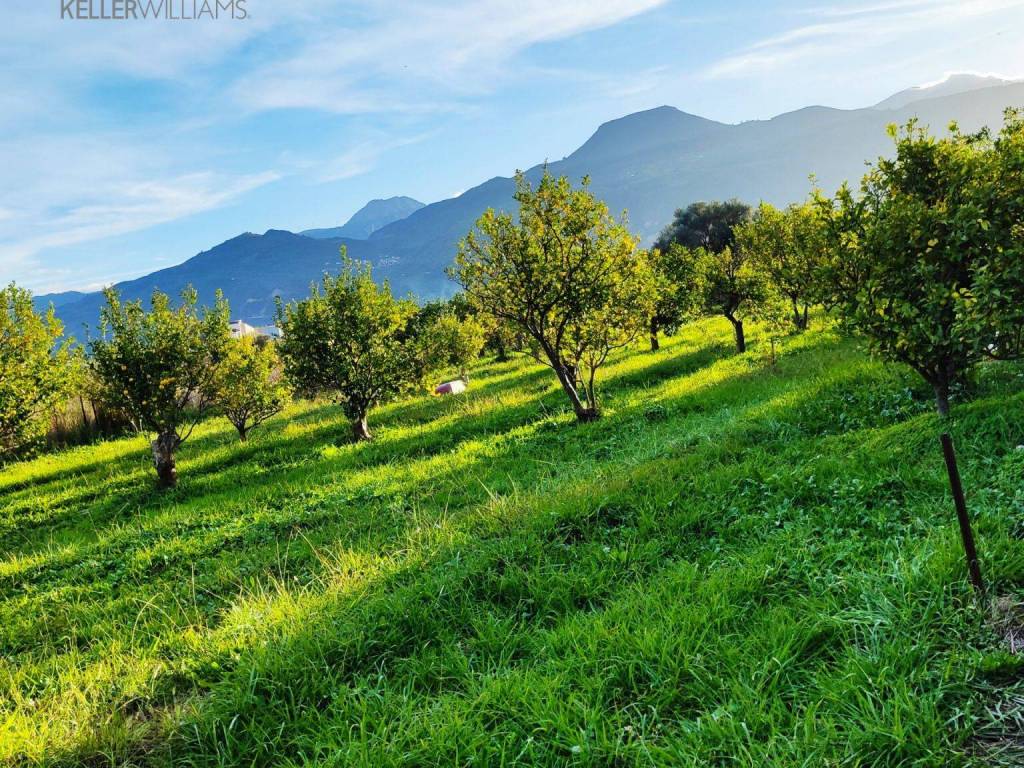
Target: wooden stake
(973, 568)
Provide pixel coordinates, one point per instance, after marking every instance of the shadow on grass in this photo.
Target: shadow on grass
(394, 628)
(400, 619)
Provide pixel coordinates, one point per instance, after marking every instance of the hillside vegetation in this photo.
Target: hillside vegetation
(738, 565)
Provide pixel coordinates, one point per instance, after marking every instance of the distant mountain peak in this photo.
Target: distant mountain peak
(951, 85)
(641, 131)
(375, 215)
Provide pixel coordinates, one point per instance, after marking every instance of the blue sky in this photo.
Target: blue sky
(127, 146)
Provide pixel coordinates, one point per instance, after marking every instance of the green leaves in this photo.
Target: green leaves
(350, 338)
(248, 386)
(566, 275)
(926, 263)
(35, 369)
(159, 365)
(786, 249)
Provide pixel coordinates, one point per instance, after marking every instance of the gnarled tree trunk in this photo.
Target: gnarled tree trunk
(164, 447)
(360, 429)
(567, 378)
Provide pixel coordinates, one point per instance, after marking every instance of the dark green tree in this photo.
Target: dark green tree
(707, 225)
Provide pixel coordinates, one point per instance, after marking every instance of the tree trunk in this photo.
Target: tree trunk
(655, 344)
(85, 419)
(567, 378)
(741, 339)
(800, 317)
(360, 429)
(163, 459)
(942, 399)
(243, 433)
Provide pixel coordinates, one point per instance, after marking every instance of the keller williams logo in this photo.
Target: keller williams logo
(169, 10)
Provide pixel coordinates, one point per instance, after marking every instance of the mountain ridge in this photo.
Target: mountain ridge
(648, 163)
(371, 217)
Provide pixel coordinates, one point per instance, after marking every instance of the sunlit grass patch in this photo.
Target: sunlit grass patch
(739, 562)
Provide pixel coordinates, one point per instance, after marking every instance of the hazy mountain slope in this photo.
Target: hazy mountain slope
(250, 269)
(371, 217)
(949, 87)
(648, 163)
(652, 162)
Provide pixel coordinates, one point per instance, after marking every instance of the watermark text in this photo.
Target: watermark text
(139, 10)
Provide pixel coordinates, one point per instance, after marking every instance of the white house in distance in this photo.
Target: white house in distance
(240, 328)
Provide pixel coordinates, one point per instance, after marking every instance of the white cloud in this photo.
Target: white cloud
(842, 31)
(114, 205)
(420, 56)
(70, 179)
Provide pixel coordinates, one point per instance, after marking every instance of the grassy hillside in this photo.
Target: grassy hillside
(737, 566)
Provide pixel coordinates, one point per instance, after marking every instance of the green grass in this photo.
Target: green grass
(737, 566)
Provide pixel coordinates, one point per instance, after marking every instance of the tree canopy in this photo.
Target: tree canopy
(35, 369)
(566, 274)
(158, 366)
(353, 339)
(677, 291)
(787, 248)
(707, 225)
(248, 387)
(926, 261)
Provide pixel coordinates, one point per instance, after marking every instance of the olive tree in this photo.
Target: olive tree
(787, 247)
(158, 366)
(925, 262)
(35, 369)
(566, 275)
(707, 225)
(248, 387)
(351, 338)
